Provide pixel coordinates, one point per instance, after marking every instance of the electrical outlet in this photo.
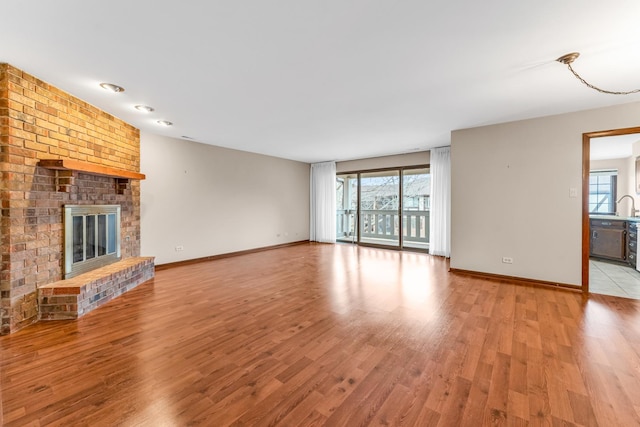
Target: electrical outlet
(507, 260)
(179, 248)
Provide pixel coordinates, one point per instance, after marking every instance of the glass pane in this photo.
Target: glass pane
(346, 207)
(602, 192)
(339, 193)
(416, 191)
(90, 223)
(102, 235)
(78, 239)
(111, 246)
(379, 208)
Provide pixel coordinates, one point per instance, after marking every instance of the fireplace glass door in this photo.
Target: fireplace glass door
(89, 240)
(92, 237)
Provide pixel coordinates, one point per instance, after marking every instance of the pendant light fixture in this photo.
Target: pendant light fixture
(568, 60)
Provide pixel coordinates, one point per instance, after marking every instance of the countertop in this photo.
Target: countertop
(616, 217)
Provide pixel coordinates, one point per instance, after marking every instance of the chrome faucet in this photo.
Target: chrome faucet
(634, 211)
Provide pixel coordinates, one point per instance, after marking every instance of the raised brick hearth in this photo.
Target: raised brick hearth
(72, 298)
(40, 122)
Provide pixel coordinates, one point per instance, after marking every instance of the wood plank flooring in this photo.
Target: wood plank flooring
(331, 335)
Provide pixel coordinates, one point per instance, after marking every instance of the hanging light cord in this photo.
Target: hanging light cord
(570, 57)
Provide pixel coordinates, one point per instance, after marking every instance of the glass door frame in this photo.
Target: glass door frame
(400, 170)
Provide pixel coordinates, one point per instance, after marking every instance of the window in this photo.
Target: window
(602, 191)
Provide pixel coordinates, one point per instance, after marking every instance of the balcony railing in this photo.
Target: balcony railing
(382, 226)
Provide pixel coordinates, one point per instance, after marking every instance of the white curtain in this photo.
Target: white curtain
(440, 218)
(323, 202)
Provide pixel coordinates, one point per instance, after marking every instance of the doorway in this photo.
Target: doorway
(607, 221)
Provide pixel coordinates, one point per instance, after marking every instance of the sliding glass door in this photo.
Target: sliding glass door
(347, 207)
(416, 186)
(384, 208)
(380, 208)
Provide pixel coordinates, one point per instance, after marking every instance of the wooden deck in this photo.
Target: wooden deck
(335, 335)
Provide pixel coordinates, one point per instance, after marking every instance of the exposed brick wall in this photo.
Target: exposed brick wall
(39, 121)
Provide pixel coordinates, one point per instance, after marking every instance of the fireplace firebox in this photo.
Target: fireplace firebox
(92, 237)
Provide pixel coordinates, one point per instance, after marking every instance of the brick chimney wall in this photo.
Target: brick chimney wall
(39, 121)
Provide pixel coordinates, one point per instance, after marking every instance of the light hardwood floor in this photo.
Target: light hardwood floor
(330, 335)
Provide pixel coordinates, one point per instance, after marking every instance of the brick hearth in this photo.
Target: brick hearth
(72, 298)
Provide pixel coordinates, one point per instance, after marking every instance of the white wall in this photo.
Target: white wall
(510, 193)
(213, 200)
(400, 160)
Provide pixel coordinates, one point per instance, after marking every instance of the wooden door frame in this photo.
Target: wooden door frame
(586, 161)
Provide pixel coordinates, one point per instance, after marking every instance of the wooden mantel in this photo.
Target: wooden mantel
(76, 165)
(63, 183)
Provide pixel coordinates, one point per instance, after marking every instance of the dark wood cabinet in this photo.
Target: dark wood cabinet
(609, 239)
(632, 243)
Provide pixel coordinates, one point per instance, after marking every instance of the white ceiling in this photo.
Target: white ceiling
(612, 147)
(317, 80)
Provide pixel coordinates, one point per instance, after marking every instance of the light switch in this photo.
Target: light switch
(573, 192)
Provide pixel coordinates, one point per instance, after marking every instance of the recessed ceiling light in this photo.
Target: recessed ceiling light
(144, 108)
(165, 123)
(111, 87)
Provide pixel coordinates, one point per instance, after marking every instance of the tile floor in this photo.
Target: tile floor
(613, 279)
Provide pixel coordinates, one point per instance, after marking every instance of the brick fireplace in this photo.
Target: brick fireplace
(40, 123)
